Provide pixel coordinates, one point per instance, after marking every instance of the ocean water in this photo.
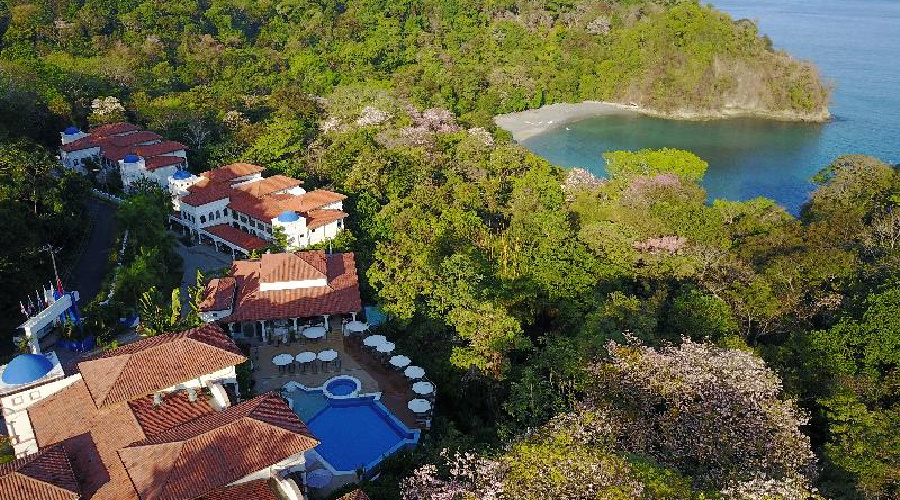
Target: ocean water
(855, 44)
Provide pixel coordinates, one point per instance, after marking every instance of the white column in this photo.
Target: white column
(354, 316)
(262, 325)
(326, 321)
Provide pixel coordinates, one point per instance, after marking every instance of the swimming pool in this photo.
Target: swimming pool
(355, 432)
(358, 433)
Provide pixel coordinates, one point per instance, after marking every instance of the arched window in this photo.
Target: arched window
(202, 219)
(218, 215)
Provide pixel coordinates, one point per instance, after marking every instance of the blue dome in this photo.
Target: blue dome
(26, 368)
(288, 216)
(72, 131)
(181, 175)
(131, 158)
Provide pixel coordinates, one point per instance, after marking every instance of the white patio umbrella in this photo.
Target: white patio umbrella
(328, 355)
(386, 347)
(374, 340)
(314, 332)
(400, 361)
(282, 359)
(357, 326)
(414, 372)
(419, 405)
(423, 388)
(318, 478)
(305, 357)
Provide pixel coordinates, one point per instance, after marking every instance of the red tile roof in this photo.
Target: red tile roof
(155, 162)
(91, 436)
(205, 192)
(281, 267)
(176, 409)
(156, 363)
(339, 296)
(268, 207)
(319, 218)
(113, 128)
(159, 148)
(218, 295)
(226, 173)
(79, 144)
(46, 475)
(269, 185)
(216, 449)
(236, 236)
(251, 490)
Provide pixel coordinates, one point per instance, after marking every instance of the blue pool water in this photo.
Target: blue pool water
(307, 403)
(357, 433)
(342, 387)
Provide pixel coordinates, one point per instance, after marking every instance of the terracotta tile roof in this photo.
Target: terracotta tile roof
(216, 449)
(268, 207)
(339, 296)
(176, 409)
(128, 140)
(268, 185)
(91, 436)
(156, 363)
(226, 173)
(218, 295)
(46, 475)
(78, 145)
(236, 236)
(205, 192)
(319, 218)
(155, 162)
(113, 128)
(281, 267)
(355, 495)
(159, 148)
(251, 490)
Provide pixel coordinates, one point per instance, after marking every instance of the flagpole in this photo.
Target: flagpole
(52, 251)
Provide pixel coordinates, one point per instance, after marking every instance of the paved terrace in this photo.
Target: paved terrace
(395, 388)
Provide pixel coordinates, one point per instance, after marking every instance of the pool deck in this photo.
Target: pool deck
(395, 388)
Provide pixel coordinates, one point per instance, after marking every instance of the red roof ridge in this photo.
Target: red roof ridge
(158, 362)
(46, 475)
(251, 490)
(216, 449)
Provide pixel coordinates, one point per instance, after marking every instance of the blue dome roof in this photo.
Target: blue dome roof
(131, 158)
(72, 131)
(181, 175)
(288, 216)
(26, 368)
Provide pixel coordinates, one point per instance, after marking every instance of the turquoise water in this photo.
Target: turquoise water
(357, 433)
(342, 387)
(307, 404)
(856, 45)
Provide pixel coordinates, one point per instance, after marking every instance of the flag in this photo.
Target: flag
(41, 301)
(30, 307)
(24, 311)
(59, 285)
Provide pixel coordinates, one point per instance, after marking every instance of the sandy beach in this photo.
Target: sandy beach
(529, 123)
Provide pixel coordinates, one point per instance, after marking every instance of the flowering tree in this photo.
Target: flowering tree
(469, 477)
(106, 110)
(715, 414)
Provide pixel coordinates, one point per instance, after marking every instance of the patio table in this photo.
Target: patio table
(414, 372)
(374, 340)
(419, 405)
(423, 388)
(327, 356)
(400, 361)
(357, 326)
(282, 359)
(314, 332)
(305, 357)
(386, 347)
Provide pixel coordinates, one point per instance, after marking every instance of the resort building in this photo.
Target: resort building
(236, 209)
(153, 420)
(277, 293)
(136, 153)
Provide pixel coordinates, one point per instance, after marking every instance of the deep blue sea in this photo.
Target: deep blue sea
(855, 44)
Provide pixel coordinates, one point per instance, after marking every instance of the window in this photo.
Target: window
(234, 215)
(218, 215)
(225, 212)
(202, 219)
(340, 223)
(243, 219)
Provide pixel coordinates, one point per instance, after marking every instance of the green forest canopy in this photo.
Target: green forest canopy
(512, 274)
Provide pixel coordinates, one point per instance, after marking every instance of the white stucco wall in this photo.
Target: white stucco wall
(291, 285)
(14, 407)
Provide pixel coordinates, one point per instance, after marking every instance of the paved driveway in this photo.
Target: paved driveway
(90, 266)
(199, 257)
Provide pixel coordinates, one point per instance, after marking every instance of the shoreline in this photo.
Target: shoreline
(526, 124)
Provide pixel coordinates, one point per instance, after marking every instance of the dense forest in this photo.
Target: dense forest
(591, 338)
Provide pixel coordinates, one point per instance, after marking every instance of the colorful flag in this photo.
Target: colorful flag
(24, 311)
(30, 307)
(59, 285)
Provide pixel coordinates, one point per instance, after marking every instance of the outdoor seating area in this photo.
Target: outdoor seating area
(308, 362)
(383, 350)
